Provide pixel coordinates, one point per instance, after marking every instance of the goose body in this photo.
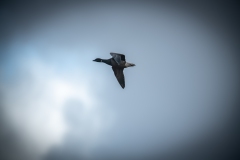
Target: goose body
(118, 63)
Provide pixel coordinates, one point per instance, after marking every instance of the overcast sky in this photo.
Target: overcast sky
(56, 103)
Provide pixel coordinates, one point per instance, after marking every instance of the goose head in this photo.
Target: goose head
(98, 60)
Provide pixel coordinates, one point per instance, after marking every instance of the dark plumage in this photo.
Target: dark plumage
(118, 63)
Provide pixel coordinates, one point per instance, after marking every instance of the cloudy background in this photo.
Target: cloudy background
(179, 102)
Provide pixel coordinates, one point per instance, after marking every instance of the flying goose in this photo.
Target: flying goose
(118, 63)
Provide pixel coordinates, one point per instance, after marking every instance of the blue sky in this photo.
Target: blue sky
(62, 104)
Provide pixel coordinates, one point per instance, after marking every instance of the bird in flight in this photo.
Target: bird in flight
(118, 63)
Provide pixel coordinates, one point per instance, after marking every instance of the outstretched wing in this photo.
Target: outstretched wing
(119, 75)
(118, 57)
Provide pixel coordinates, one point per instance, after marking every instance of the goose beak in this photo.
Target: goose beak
(94, 60)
